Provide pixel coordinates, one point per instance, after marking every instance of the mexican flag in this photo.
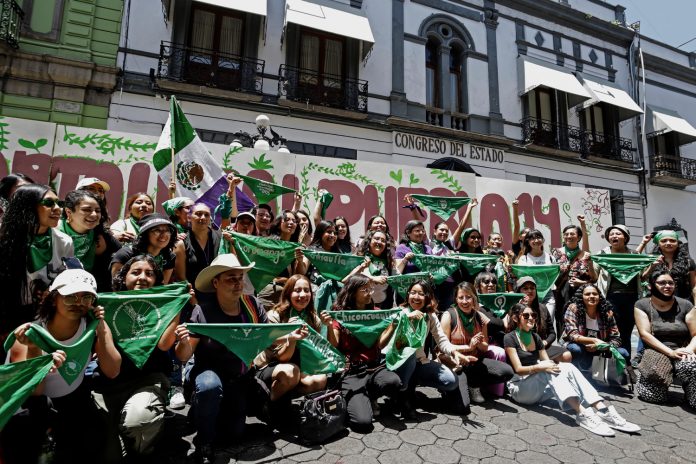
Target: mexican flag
(198, 175)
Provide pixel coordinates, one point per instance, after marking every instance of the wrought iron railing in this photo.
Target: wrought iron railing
(672, 166)
(607, 146)
(210, 68)
(550, 134)
(11, 16)
(312, 87)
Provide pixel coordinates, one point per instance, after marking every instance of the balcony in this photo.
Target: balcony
(209, 72)
(321, 92)
(672, 170)
(607, 147)
(11, 16)
(441, 118)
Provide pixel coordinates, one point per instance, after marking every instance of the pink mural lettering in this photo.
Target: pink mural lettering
(71, 169)
(37, 166)
(353, 209)
(494, 216)
(549, 215)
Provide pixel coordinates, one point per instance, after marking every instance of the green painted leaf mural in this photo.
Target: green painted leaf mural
(397, 176)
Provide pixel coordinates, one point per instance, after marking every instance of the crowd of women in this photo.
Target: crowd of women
(57, 255)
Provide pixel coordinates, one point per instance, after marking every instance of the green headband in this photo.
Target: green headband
(664, 234)
(170, 206)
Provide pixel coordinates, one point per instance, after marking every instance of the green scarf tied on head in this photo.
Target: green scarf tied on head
(85, 245)
(664, 234)
(40, 251)
(571, 254)
(170, 206)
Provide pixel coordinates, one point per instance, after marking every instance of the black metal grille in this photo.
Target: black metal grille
(672, 166)
(210, 68)
(312, 87)
(11, 16)
(607, 146)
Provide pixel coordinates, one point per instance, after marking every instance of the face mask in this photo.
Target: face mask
(659, 295)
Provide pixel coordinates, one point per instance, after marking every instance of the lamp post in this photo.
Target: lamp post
(260, 141)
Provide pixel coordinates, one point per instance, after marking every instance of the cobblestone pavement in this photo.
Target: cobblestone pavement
(496, 432)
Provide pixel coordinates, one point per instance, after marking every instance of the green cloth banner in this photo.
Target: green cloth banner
(366, 326)
(270, 255)
(474, 262)
(618, 357)
(400, 283)
(623, 266)
(264, 191)
(444, 207)
(440, 267)
(244, 340)
(318, 356)
(77, 355)
(334, 266)
(138, 318)
(544, 275)
(499, 303)
(407, 338)
(17, 381)
(326, 198)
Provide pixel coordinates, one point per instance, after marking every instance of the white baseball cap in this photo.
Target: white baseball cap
(87, 181)
(73, 281)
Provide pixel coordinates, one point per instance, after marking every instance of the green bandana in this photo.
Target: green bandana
(40, 251)
(474, 262)
(326, 198)
(401, 283)
(270, 255)
(444, 207)
(170, 206)
(138, 318)
(417, 248)
(623, 266)
(405, 341)
(318, 356)
(135, 225)
(366, 326)
(17, 381)
(334, 266)
(544, 275)
(244, 340)
(84, 244)
(440, 267)
(264, 191)
(571, 254)
(377, 264)
(620, 360)
(500, 276)
(468, 322)
(77, 355)
(499, 303)
(663, 234)
(525, 337)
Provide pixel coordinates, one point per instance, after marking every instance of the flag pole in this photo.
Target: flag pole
(172, 103)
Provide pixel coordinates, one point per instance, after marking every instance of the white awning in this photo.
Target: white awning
(532, 75)
(258, 7)
(335, 21)
(602, 93)
(661, 121)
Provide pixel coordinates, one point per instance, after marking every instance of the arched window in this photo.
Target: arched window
(432, 80)
(455, 79)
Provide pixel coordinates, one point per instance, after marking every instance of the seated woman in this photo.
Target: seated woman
(545, 325)
(667, 324)
(589, 321)
(464, 325)
(366, 378)
(132, 404)
(539, 379)
(418, 369)
(64, 314)
(485, 283)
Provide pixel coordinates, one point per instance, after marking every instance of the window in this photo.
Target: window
(324, 151)
(432, 96)
(455, 73)
(665, 144)
(601, 131)
(42, 19)
(322, 65)
(547, 181)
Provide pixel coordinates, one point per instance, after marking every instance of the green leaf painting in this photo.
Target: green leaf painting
(397, 175)
(261, 163)
(447, 179)
(106, 144)
(413, 180)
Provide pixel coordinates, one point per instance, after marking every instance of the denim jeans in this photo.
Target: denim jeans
(429, 374)
(583, 358)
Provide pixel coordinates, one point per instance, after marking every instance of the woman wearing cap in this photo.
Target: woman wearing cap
(179, 211)
(28, 234)
(622, 296)
(84, 222)
(99, 188)
(138, 205)
(201, 244)
(157, 237)
(674, 257)
(544, 326)
(132, 404)
(64, 315)
(538, 378)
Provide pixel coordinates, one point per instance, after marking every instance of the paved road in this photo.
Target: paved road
(496, 432)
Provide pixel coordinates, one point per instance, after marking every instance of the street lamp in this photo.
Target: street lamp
(260, 141)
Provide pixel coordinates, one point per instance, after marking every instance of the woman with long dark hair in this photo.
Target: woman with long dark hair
(137, 205)
(8, 185)
(377, 248)
(412, 242)
(201, 243)
(343, 241)
(31, 252)
(533, 254)
(179, 211)
(325, 238)
(674, 257)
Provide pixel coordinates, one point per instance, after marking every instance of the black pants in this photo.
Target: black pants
(359, 389)
(623, 313)
(487, 371)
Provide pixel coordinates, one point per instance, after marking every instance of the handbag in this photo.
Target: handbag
(604, 371)
(656, 367)
(322, 415)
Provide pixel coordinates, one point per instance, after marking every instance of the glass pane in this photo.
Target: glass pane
(203, 29)
(532, 104)
(333, 63)
(429, 86)
(455, 91)
(309, 59)
(545, 103)
(231, 35)
(599, 119)
(41, 20)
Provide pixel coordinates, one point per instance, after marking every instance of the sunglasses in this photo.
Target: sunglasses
(74, 300)
(529, 316)
(488, 281)
(51, 203)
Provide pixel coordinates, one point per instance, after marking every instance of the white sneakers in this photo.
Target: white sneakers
(602, 424)
(177, 401)
(589, 420)
(615, 421)
(476, 396)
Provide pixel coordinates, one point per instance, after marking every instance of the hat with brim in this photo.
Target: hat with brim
(154, 220)
(87, 181)
(247, 215)
(73, 281)
(622, 228)
(523, 280)
(222, 263)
